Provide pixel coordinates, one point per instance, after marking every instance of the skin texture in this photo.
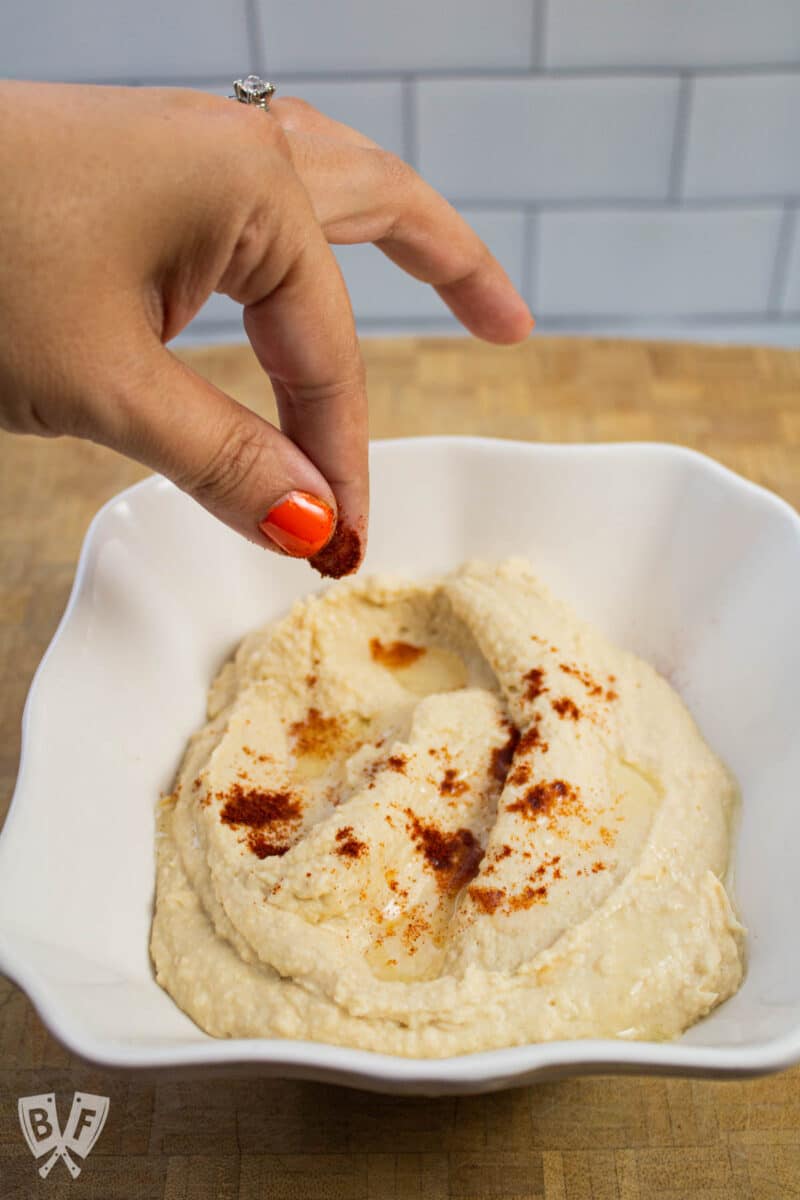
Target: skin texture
(123, 209)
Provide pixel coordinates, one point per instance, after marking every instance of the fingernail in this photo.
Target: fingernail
(301, 524)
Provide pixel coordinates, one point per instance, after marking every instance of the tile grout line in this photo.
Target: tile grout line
(496, 74)
(635, 325)
(624, 204)
(530, 259)
(255, 37)
(680, 143)
(539, 35)
(780, 271)
(408, 102)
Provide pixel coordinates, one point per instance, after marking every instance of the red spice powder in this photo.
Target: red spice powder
(547, 798)
(394, 886)
(395, 654)
(547, 864)
(534, 681)
(416, 927)
(342, 554)
(536, 892)
(267, 816)
(591, 685)
(520, 775)
(487, 899)
(395, 762)
(532, 739)
(256, 808)
(566, 708)
(455, 857)
(348, 844)
(527, 897)
(498, 856)
(502, 756)
(451, 785)
(262, 848)
(318, 735)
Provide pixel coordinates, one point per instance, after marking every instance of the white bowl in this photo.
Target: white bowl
(670, 554)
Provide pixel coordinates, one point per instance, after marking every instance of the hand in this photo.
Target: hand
(123, 209)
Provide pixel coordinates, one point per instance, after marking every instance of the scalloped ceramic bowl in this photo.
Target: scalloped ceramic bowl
(669, 553)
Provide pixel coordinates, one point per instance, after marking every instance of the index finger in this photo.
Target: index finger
(300, 323)
(364, 194)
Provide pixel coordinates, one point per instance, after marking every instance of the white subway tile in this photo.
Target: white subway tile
(108, 39)
(651, 33)
(219, 310)
(547, 138)
(744, 136)
(722, 331)
(317, 35)
(379, 290)
(656, 263)
(791, 297)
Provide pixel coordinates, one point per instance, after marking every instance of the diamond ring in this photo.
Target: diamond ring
(253, 90)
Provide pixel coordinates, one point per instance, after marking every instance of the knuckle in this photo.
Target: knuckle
(275, 136)
(230, 467)
(249, 134)
(293, 107)
(472, 264)
(348, 385)
(267, 245)
(396, 173)
(266, 130)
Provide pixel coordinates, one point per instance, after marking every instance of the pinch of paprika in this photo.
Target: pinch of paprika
(300, 524)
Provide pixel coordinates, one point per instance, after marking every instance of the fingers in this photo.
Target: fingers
(431, 241)
(321, 400)
(300, 323)
(196, 194)
(238, 466)
(361, 193)
(298, 116)
(347, 474)
(365, 195)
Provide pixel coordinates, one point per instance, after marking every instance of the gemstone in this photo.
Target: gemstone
(253, 86)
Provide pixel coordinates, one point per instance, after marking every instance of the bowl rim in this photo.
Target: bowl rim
(300, 1058)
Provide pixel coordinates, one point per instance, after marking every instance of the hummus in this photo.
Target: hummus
(434, 818)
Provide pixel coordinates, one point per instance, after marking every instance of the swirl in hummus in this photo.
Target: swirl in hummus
(434, 818)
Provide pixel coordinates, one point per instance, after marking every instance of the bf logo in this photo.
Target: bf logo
(39, 1121)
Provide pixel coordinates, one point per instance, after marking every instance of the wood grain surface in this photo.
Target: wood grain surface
(598, 1138)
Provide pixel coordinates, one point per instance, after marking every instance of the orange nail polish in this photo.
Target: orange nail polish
(301, 524)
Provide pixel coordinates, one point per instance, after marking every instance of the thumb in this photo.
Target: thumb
(238, 466)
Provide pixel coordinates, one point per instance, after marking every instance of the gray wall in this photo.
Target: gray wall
(635, 164)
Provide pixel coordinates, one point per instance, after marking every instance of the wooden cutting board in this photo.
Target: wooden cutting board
(632, 1138)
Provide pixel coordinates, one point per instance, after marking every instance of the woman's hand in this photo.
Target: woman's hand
(123, 209)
